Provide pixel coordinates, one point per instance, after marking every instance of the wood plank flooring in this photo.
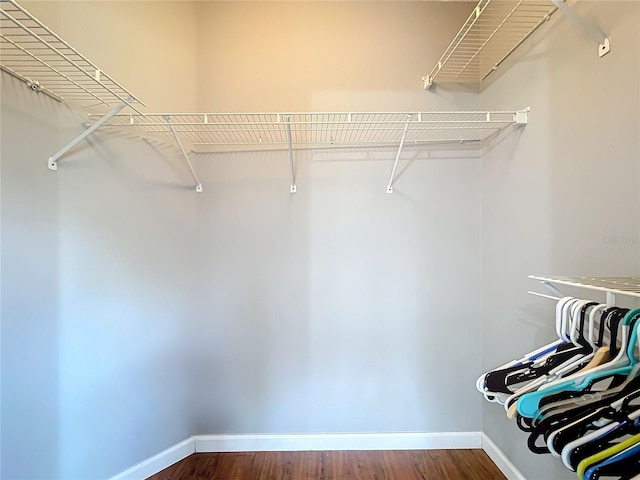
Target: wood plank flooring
(336, 465)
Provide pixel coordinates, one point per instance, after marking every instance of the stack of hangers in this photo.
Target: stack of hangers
(579, 398)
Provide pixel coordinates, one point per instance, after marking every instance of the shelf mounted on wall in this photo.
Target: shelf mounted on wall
(32, 53)
(611, 286)
(493, 31)
(47, 64)
(324, 129)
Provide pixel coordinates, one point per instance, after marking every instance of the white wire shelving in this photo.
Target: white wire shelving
(327, 128)
(611, 286)
(31, 52)
(322, 129)
(34, 54)
(493, 30)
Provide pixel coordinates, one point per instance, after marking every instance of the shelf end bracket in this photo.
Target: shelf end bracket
(184, 154)
(521, 117)
(53, 159)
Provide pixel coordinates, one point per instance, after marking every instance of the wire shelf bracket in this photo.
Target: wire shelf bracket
(590, 30)
(611, 286)
(53, 160)
(292, 187)
(395, 164)
(184, 154)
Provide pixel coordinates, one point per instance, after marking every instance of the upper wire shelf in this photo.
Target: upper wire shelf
(490, 34)
(628, 286)
(33, 53)
(328, 128)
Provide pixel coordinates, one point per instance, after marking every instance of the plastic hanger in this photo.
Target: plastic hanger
(573, 314)
(562, 399)
(619, 402)
(529, 403)
(600, 439)
(603, 455)
(622, 464)
(493, 384)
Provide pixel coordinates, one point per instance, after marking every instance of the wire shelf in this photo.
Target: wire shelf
(33, 53)
(629, 286)
(329, 128)
(490, 34)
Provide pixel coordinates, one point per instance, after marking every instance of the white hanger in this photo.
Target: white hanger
(564, 337)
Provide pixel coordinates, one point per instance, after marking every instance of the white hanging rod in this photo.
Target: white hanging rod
(47, 63)
(544, 295)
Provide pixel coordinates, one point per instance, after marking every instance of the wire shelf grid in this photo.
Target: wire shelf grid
(493, 30)
(629, 286)
(33, 53)
(327, 128)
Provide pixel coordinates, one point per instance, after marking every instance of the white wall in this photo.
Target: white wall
(136, 313)
(551, 197)
(149, 47)
(96, 282)
(332, 310)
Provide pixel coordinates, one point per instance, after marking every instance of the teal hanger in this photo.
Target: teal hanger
(529, 403)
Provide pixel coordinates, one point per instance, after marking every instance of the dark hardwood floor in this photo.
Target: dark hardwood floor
(333, 465)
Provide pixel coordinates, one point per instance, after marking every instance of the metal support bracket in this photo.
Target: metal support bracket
(184, 154)
(53, 160)
(395, 164)
(587, 27)
(552, 289)
(555, 293)
(292, 188)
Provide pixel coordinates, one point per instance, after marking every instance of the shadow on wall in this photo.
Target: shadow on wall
(30, 285)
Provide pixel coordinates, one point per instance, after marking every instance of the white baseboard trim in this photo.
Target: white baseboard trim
(505, 465)
(158, 462)
(307, 442)
(338, 441)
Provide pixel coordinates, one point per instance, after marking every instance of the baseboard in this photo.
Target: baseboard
(304, 442)
(158, 462)
(500, 459)
(338, 441)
